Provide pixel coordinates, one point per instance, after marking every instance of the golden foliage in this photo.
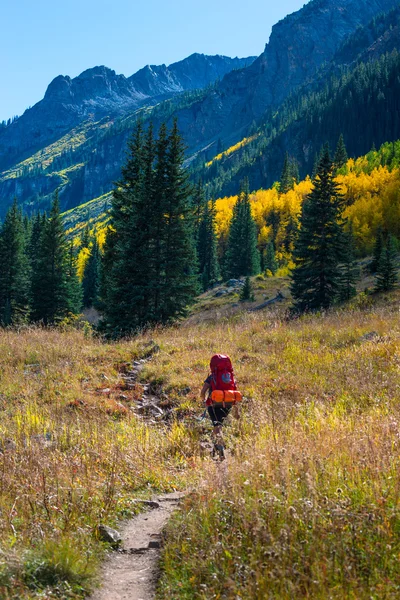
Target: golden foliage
(233, 149)
(372, 201)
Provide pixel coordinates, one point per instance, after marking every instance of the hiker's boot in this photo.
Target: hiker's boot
(219, 451)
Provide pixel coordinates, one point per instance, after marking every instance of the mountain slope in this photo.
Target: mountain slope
(297, 48)
(100, 92)
(221, 115)
(356, 94)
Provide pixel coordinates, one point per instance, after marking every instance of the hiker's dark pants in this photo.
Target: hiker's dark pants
(218, 414)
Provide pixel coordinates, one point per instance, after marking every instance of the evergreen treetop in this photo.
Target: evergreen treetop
(319, 249)
(243, 257)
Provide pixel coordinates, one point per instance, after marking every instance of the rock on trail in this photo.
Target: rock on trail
(132, 572)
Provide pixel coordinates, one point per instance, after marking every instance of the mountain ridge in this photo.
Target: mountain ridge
(100, 91)
(213, 117)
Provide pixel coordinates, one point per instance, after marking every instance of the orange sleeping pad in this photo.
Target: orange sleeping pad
(227, 396)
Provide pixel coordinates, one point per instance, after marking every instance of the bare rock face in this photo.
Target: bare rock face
(100, 92)
(298, 46)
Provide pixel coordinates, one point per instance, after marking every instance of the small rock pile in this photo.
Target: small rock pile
(233, 286)
(151, 407)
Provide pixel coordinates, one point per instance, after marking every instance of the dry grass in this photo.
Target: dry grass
(307, 506)
(72, 456)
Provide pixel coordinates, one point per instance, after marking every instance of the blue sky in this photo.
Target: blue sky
(42, 39)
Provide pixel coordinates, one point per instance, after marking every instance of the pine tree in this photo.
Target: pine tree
(270, 260)
(341, 156)
(317, 161)
(350, 269)
(317, 276)
(14, 269)
(73, 285)
(291, 231)
(51, 293)
(286, 177)
(294, 165)
(91, 276)
(85, 241)
(207, 247)
(377, 254)
(179, 259)
(149, 265)
(247, 293)
(386, 275)
(274, 221)
(243, 257)
(199, 203)
(126, 246)
(290, 174)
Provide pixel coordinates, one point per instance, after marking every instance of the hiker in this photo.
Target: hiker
(219, 392)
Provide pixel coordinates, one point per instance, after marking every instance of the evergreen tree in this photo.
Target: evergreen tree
(274, 221)
(149, 265)
(91, 276)
(377, 254)
(207, 247)
(291, 231)
(286, 177)
(270, 260)
(386, 275)
(243, 257)
(247, 293)
(85, 241)
(317, 160)
(179, 258)
(126, 251)
(319, 250)
(51, 292)
(74, 286)
(290, 174)
(199, 202)
(341, 156)
(350, 269)
(14, 269)
(295, 171)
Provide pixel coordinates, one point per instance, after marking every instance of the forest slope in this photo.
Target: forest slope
(216, 117)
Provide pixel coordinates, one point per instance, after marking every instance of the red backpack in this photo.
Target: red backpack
(223, 377)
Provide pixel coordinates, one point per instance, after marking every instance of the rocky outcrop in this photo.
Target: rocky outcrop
(100, 92)
(298, 46)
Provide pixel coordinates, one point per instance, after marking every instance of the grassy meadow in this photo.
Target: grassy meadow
(306, 506)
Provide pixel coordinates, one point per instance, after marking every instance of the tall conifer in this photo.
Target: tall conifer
(180, 260)
(73, 285)
(270, 260)
(377, 253)
(349, 267)
(341, 156)
(286, 177)
(387, 272)
(51, 294)
(207, 247)
(122, 305)
(14, 269)
(243, 257)
(318, 254)
(91, 276)
(149, 265)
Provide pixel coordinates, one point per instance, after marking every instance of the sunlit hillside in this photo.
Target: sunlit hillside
(370, 186)
(307, 501)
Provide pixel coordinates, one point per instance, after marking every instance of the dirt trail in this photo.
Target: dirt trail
(132, 572)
